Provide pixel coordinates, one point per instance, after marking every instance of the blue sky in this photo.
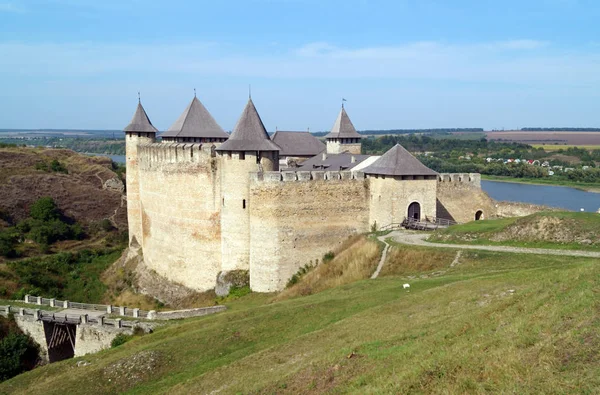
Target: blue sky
(399, 64)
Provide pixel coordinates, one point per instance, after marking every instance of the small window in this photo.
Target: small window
(244, 204)
(257, 156)
(228, 154)
(242, 156)
(223, 202)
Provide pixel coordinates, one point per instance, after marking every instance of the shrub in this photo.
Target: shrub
(328, 257)
(18, 352)
(120, 339)
(8, 241)
(58, 167)
(44, 209)
(43, 166)
(106, 225)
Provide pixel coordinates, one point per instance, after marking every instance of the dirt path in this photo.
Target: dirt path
(383, 256)
(418, 238)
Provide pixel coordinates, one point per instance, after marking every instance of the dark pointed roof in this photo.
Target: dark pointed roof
(297, 143)
(399, 162)
(249, 133)
(140, 122)
(343, 128)
(197, 122)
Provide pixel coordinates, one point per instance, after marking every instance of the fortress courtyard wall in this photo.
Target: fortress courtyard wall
(460, 197)
(181, 228)
(297, 217)
(390, 197)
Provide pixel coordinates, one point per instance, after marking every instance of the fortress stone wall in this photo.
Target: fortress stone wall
(459, 198)
(297, 217)
(179, 191)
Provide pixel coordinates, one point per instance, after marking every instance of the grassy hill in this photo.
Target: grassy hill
(560, 230)
(491, 322)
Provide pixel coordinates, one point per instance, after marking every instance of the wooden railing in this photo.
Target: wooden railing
(430, 223)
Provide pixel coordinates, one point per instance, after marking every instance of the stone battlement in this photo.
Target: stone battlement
(303, 176)
(156, 154)
(463, 178)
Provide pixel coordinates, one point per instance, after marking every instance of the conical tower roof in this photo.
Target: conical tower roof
(399, 162)
(343, 128)
(249, 133)
(196, 122)
(140, 122)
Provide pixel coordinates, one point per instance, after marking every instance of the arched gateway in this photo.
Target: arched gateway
(414, 211)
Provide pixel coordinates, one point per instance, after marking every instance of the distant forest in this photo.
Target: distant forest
(411, 131)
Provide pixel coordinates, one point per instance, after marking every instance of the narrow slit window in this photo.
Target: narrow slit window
(244, 204)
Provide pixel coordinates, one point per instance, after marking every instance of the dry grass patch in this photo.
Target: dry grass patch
(403, 260)
(355, 259)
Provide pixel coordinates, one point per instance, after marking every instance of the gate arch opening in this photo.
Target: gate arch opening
(478, 215)
(414, 211)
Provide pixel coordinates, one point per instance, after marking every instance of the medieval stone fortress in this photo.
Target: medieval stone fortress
(203, 203)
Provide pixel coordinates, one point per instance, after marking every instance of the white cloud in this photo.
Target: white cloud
(518, 61)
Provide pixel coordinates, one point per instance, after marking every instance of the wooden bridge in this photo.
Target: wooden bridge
(430, 223)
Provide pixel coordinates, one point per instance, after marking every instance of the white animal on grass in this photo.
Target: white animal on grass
(406, 286)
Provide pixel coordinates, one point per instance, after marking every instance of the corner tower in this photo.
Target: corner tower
(343, 136)
(249, 149)
(139, 131)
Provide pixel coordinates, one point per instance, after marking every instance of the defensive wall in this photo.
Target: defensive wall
(297, 217)
(179, 191)
(460, 197)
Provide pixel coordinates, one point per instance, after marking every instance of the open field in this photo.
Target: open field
(493, 322)
(552, 147)
(548, 138)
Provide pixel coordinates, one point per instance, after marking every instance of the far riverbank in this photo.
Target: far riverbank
(582, 186)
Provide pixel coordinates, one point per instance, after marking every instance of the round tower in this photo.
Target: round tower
(248, 149)
(343, 137)
(139, 131)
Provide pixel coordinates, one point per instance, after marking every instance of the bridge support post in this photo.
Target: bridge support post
(7, 310)
(52, 302)
(38, 315)
(39, 300)
(66, 304)
(136, 313)
(21, 312)
(118, 323)
(109, 309)
(122, 311)
(152, 315)
(26, 298)
(101, 320)
(84, 319)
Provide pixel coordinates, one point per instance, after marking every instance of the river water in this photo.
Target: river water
(553, 196)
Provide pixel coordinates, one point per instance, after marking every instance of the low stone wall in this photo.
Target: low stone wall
(515, 209)
(177, 314)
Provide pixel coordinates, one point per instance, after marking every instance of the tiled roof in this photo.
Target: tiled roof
(196, 122)
(399, 162)
(140, 122)
(343, 128)
(249, 133)
(297, 143)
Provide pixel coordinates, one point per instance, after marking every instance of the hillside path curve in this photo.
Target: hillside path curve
(418, 239)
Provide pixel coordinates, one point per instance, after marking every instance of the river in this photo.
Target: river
(553, 196)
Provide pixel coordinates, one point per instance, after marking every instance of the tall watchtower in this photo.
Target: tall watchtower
(343, 136)
(139, 131)
(249, 149)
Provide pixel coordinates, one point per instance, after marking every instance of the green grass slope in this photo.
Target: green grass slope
(560, 230)
(491, 323)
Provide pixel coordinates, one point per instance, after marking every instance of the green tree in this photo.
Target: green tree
(44, 209)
